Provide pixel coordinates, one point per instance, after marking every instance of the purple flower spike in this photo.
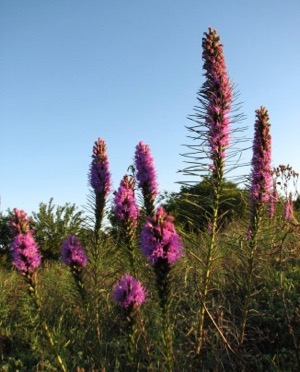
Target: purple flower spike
(160, 240)
(261, 178)
(73, 253)
(126, 208)
(146, 175)
(129, 292)
(273, 200)
(19, 223)
(288, 209)
(100, 178)
(217, 91)
(25, 253)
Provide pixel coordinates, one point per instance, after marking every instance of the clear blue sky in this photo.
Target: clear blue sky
(73, 70)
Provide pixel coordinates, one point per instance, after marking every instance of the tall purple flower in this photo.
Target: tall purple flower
(273, 201)
(19, 222)
(288, 209)
(99, 172)
(217, 93)
(146, 175)
(25, 253)
(129, 293)
(160, 240)
(261, 177)
(126, 208)
(100, 180)
(73, 253)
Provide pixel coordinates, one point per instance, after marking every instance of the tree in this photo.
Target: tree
(5, 237)
(52, 224)
(192, 209)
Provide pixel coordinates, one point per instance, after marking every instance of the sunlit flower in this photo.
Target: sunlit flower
(73, 253)
(273, 201)
(19, 222)
(129, 292)
(288, 209)
(160, 240)
(261, 177)
(100, 178)
(25, 253)
(126, 208)
(146, 175)
(217, 92)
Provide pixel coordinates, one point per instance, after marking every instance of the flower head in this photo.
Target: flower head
(100, 178)
(273, 200)
(288, 209)
(25, 253)
(19, 222)
(129, 292)
(160, 240)
(146, 174)
(261, 177)
(126, 208)
(217, 92)
(73, 253)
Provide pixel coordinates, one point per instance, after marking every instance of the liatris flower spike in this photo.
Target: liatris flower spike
(25, 253)
(99, 173)
(273, 201)
(27, 258)
(100, 180)
(146, 175)
(74, 256)
(127, 211)
(160, 240)
(19, 222)
(73, 253)
(126, 208)
(217, 91)
(129, 293)
(163, 247)
(261, 178)
(288, 209)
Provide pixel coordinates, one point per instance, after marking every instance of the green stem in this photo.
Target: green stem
(209, 259)
(131, 340)
(253, 244)
(32, 281)
(129, 231)
(168, 338)
(95, 262)
(163, 283)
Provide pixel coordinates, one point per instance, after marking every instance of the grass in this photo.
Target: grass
(272, 337)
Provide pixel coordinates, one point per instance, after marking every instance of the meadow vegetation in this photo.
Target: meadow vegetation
(204, 279)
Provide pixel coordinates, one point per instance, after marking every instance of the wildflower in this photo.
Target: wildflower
(19, 222)
(129, 292)
(288, 209)
(99, 172)
(217, 92)
(273, 201)
(261, 178)
(160, 239)
(146, 175)
(100, 180)
(25, 253)
(73, 253)
(126, 208)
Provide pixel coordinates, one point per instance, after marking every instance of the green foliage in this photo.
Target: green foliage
(192, 208)
(53, 223)
(272, 339)
(5, 238)
(4, 232)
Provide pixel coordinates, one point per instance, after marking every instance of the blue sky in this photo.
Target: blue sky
(73, 70)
